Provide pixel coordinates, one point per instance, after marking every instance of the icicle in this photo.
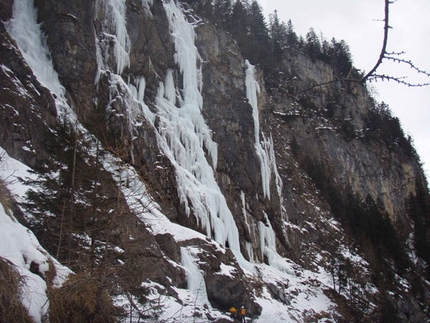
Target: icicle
(169, 87)
(245, 214)
(100, 62)
(252, 91)
(115, 26)
(250, 251)
(141, 89)
(267, 239)
(278, 179)
(117, 10)
(138, 93)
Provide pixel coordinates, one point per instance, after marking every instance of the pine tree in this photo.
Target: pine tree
(340, 56)
(313, 44)
(239, 24)
(55, 189)
(203, 7)
(292, 39)
(222, 10)
(257, 23)
(278, 36)
(71, 202)
(259, 36)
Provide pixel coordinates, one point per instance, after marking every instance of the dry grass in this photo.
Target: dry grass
(82, 299)
(5, 198)
(11, 308)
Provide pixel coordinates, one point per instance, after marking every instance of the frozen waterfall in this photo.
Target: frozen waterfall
(185, 137)
(23, 27)
(264, 148)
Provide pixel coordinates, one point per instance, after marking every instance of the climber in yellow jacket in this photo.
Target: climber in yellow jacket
(233, 312)
(242, 314)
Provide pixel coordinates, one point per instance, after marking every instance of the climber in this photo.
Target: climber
(242, 314)
(233, 312)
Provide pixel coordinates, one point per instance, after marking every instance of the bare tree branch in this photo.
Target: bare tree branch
(393, 56)
(409, 62)
(384, 42)
(372, 75)
(400, 80)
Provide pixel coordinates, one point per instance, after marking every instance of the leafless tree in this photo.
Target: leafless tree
(396, 57)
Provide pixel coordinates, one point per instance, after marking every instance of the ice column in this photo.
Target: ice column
(264, 148)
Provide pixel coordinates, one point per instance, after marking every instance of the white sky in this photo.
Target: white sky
(355, 21)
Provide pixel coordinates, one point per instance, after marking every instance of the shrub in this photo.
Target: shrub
(82, 299)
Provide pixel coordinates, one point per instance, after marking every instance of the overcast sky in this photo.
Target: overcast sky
(356, 21)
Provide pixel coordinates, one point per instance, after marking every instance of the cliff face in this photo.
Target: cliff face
(186, 173)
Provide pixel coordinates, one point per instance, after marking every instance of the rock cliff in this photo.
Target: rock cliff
(185, 180)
